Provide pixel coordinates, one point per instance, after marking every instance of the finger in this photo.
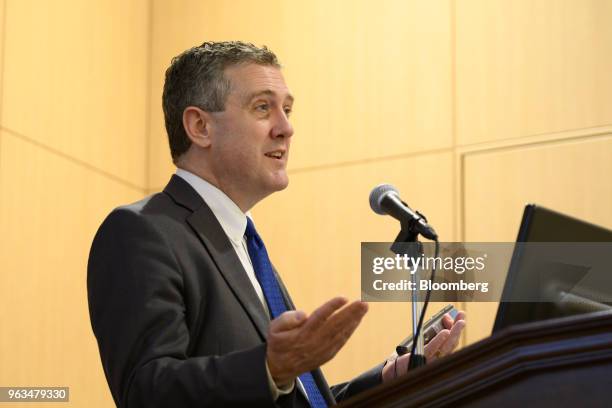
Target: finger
(453, 338)
(287, 321)
(336, 331)
(460, 316)
(434, 345)
(447, 321)
(346, 318)
(356, 309)
(346, 321)
(322, 313)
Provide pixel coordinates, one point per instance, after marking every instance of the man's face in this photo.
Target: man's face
(250, 139)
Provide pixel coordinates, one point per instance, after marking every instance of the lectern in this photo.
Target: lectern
(565, 362)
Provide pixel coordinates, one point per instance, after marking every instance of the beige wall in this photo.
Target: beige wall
(72, 146)
(471, 108)
(491, 103)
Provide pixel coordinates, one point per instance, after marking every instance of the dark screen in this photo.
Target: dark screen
(540, 224)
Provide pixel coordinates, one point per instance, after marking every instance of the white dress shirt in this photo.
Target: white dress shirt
(234, 222)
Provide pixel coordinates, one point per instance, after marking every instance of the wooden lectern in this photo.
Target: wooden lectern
(564, 362)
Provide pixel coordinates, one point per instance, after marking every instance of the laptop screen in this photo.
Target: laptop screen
(540, 224)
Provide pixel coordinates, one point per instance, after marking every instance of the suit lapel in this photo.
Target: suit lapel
(210, 232)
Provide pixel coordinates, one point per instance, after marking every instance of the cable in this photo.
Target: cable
(425, 303)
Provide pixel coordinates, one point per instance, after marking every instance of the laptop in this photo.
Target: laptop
(581, 283)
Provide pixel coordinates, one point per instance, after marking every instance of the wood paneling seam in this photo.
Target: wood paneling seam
(534, 143)
(73, 160)
(535, 139)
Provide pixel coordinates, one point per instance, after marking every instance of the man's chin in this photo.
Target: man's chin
(282, 184)
(274, 183)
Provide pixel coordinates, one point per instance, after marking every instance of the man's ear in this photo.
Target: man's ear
(197, 125)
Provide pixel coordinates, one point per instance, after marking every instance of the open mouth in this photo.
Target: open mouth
(276, 154)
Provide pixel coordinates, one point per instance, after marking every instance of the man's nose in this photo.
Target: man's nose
(282, 127)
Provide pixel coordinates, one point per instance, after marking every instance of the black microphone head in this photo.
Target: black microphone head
(377, 194)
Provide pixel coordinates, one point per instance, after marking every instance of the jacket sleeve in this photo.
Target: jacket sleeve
(135, 294)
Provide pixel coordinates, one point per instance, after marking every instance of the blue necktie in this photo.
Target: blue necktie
(274, 298)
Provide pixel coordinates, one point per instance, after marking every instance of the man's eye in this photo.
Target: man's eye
(288, 111)
(262, 107)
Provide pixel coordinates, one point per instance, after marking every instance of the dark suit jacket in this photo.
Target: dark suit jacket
(177, 320)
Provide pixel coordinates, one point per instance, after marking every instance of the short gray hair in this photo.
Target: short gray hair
(195, 78)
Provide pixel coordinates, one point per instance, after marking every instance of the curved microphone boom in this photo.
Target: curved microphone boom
(385, 199)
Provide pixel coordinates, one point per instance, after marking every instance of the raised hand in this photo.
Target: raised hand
(298, 343)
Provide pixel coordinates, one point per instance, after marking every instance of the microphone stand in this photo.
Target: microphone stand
(407, 243)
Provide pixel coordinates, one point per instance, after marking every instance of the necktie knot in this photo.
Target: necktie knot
(250, 231)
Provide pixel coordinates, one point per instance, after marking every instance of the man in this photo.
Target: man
(184, 302)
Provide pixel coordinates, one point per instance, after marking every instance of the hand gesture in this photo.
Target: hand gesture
(298, 343)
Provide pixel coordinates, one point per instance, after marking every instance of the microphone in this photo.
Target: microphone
(385, 199)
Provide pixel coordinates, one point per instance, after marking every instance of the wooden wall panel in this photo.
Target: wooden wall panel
(50, 210)
(572, 176)
(525, 67)
(371, 79)
(2, 25)
(313, 232)
(75, 78)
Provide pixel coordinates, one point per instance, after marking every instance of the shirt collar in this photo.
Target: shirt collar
(230, 216)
